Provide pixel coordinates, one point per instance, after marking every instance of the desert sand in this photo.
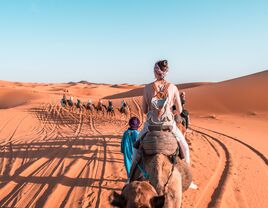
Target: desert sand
(53, 157)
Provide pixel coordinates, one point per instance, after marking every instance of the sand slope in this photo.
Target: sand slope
(246, 94)
(10, 98)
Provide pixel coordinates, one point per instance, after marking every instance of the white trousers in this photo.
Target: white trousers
(177, 133)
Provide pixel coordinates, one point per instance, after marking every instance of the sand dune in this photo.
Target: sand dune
(10, 98)
(56, 157)
(242, 95)
(128, 94)
(192, 85)
(138, 90)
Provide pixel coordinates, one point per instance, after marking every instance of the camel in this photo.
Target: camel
(100, 108)
(124, 111)
(137, 194)
(79, 106)
(89, 108)
(110, 111)
(68, 104)
(169, 175)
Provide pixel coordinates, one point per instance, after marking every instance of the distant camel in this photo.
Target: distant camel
(68, 104)
(89, 107)
(100, 108)
(110, 111)
(124, 111)
(79, 105)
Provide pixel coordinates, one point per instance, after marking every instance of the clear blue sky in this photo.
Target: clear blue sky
(118, 41)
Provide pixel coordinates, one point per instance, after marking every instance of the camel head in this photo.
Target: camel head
(137, 194)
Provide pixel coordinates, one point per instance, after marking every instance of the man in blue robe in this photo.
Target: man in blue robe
(129, 138)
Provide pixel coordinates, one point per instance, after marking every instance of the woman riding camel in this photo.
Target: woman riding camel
(158, 99)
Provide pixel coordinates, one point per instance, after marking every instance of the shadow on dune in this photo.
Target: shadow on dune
(139, 91)
(130, 93)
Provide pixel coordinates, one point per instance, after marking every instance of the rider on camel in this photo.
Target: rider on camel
(158, 99)
(100, 103)
(123, 105)
(78, 103)
(184, 113)
(110, 106)
(63, 100)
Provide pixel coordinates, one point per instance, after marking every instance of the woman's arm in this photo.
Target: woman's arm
(144, 101)
(177, 99)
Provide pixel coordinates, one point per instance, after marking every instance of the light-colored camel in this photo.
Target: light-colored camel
(168, 178)
(137, 194)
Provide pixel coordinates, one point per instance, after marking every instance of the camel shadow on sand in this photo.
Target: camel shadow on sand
(51, 155)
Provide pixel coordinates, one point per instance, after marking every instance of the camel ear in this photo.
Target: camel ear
(158, 201)
(117, 200)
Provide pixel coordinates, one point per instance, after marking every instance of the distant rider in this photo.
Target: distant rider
(64, 100)
(184, 113)
(110, 106)
(123, 105)
(78, 103)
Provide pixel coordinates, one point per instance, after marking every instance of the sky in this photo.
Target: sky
(118, 41)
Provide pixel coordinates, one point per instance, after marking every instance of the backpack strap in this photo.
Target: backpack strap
(163, 93)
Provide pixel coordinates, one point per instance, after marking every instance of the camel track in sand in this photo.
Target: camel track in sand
(212, 193)
(261, 156)
(232, 181)
(71, 159)
(45, 173)
(13, 194)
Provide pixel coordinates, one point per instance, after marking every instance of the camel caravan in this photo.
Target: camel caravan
(157, 159)
(90, 107)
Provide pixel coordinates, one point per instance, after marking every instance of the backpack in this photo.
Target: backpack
(160, 114)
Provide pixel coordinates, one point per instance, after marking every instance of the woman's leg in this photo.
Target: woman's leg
(179, 136)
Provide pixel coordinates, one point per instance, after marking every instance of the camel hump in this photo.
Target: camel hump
(159, 142)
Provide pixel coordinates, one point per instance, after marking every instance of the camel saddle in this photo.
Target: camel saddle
(160, 140)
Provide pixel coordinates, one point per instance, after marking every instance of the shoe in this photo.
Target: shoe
(193, 186)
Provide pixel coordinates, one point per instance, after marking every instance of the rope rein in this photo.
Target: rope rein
(171, 172)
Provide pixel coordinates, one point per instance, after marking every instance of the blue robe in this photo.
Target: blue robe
(128, 139)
